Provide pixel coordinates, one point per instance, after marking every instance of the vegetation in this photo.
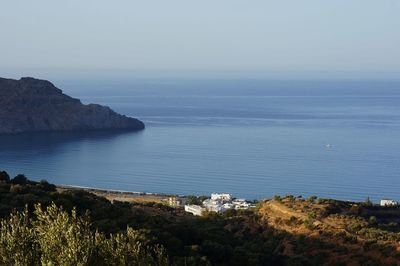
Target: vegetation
(195, 200)
(346, 231)
(41, 225)
(236, 238)
(55, 237)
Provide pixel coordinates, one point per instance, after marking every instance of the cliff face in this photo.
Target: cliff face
(29, 105)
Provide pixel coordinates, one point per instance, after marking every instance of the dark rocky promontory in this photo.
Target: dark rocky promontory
(30, 105)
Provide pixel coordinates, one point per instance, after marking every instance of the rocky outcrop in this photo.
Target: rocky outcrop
(29, 105)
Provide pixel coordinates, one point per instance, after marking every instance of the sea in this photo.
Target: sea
(249, 137)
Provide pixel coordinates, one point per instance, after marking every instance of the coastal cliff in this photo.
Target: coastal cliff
(30, 105)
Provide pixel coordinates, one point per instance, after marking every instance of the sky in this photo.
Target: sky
(256, 38)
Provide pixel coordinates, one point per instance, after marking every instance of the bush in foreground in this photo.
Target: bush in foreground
(53, 236)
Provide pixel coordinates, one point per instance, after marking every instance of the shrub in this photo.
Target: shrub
(277, 198)
(355, 209)
(19, 179)
(55, 237)
(18, 189)
(353, 227)
(312, 198)
(309, 224)
(351, 239)
(292, 220)
(312, 215)
(17, 241)
(291, 198)
(4, 176)
(195, 200)
(46, 186)
(372, 220)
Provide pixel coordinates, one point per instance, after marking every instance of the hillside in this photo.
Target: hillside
(281, 231)
(29, 105)
(355, 233)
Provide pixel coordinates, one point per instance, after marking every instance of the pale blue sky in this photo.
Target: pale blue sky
(311, 38)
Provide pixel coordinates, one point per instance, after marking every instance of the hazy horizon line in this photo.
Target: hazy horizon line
(189, 74)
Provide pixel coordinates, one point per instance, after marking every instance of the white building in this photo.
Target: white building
(241, 204)
(221, 197)
(214, 205)
(389, 202)
(194, 209)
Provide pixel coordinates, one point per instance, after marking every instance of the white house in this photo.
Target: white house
(389, 202)
(241, 204)
(214, 205)
(194, 209)
(221, 197)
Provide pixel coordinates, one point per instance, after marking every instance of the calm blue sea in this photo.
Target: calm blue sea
(251, 138)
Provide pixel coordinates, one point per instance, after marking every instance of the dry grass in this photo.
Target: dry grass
(310, 219)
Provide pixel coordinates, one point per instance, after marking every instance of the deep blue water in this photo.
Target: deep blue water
(254, 139)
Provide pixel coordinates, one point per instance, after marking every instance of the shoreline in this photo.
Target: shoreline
(120, 195)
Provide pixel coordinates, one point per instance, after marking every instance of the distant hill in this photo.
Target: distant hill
(30, 105)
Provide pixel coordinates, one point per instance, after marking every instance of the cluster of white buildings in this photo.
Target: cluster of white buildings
(218, 203)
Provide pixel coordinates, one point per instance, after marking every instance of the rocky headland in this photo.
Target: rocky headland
(33, 105)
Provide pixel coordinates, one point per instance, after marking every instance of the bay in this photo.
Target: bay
(254, 139)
